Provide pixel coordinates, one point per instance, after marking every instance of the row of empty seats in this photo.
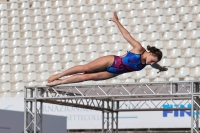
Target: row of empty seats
(105, 9)
(171, 46)
(70, 3)
(154, 36)
(60, 29)
(55, 45)
(131, 18)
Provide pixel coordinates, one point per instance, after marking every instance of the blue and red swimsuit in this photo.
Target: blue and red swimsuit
(130, 62)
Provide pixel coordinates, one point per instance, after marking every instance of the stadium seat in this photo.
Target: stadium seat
(167, 3)
(18, 77)
(197, 43)
(92, 2)
(44, 76)
(196, 9)
(181, 35)
(165, 62)
(64, 40)
(86, 24)
(82, 9)
(77, 40)
(191, 26)
(189, 78)
(68, 57)
(185, 43)
(6, 95)
(69, 65)
(5, 68)
(144, 80)
(183, 72)
(158, 12)
(93, 56)
(193, 2)
(35, 4)
(19, 94)
(180, 3)
(60, 18)
(175, 53)
(104, 2)
(57, 67)
(145, 13)
(169, 73)
(70, 3)
(179, 62)
(43, 67)
(31, 76)
(31, 67)
(42, 58)
(195, 34)
(142, 5)
(17, 59)
(104, 47)
(196, 72)
(114, 81)
(4, 20)
(98, 23)
(140, 74)
(91, 48)
(178, 26)
(189, 52)
(25, 5)
(55, 57)
(153, 73)
(171, 44)
(62, 25)
(5, 59)
(6, 87)
(187, 18)
(194, 61)
(5, 77)
(18, 68)
(4, 28)
(80, 57)
(15, 27)
(79, 48)
(168, 35)
(47, 4)
(173, 79)
(88, 31)
(53, 49)
(5, 51)
(106, 8)
(159, 80)
(164, 27)
(19, 86)
(130, 80)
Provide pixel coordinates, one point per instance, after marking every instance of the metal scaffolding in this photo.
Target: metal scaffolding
(109, 98)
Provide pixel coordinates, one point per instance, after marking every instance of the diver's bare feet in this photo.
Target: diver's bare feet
(53, 77)
(55, 82)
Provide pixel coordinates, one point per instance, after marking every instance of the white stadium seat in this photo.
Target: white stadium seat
(43, 67)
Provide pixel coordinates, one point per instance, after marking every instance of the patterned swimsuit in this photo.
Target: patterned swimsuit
(130, 62)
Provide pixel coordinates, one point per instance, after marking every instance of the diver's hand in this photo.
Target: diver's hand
(115, 18)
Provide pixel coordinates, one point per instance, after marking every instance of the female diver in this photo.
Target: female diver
(110, 66)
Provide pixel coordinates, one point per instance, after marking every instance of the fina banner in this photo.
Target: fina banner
(78, 118)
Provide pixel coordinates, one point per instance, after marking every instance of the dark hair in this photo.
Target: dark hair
(156, 52)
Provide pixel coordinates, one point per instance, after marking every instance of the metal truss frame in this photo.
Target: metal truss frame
(111, 99)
